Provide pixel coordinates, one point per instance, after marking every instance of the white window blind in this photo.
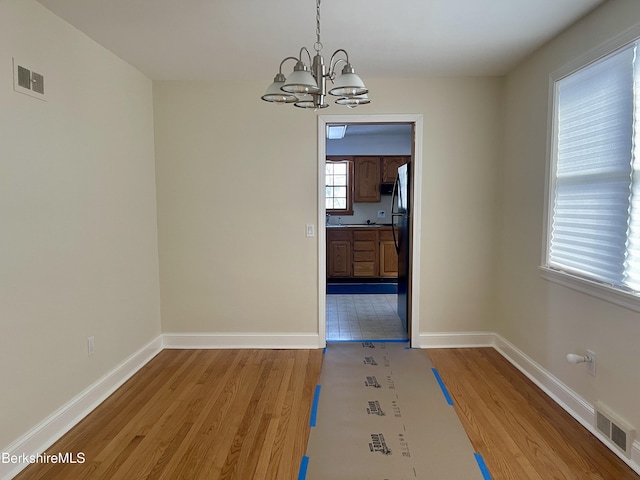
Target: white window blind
(595, 227)
(633, 240)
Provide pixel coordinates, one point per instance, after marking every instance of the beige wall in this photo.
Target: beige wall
(78, 241)
(237, 181)
(544, 319)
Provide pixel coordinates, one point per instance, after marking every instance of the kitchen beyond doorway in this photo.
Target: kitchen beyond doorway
(328, 328)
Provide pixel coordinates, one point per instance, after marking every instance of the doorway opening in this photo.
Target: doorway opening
(369, 224)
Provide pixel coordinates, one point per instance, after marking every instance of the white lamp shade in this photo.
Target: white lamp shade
(348, 85)
(300, 81)
(353, 102)
(275, 94)
(306, 101)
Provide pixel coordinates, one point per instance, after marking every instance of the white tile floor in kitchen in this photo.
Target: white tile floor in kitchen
(363, 317)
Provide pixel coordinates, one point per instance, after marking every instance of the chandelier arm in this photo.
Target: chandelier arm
(333, 64)
(282, 62)
(308, 54)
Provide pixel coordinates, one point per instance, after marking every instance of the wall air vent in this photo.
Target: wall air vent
(26, 81)
(614, 428)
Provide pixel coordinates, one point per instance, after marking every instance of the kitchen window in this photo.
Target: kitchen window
(339, 187)
(593, 229)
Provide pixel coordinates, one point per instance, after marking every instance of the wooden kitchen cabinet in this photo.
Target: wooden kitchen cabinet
(365, 253)
(390, 168)
(366, 179)
(388, 255)
(369, 172)
(339, 253)
(361, 252)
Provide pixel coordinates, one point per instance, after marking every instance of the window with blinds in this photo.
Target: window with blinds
(595, 186)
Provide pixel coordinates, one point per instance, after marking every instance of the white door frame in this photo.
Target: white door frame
(416, 204)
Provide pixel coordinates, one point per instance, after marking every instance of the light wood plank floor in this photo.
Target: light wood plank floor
(244, 414)
(520, 432)
(198, 414)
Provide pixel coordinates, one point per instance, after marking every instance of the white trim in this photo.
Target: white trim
(49, 430)
(240, 340)
(322, 233)
(604, 292)
(592, 56)
(456, 339)
(416, 218)
(550, 168)
(576, 406)
(570, 401)
(412, 118)
(619, 41)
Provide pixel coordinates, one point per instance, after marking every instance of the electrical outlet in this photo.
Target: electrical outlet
(90, 345)
(381, 214)
(591, 364)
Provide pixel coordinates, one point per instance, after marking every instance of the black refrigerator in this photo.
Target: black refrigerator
(401, 219)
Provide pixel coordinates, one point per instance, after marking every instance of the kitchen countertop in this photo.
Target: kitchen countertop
(359, 225)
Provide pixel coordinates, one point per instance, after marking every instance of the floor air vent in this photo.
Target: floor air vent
(614, 428)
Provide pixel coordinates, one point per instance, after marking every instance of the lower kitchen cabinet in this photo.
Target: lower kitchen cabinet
(361, 252)
(365, 253)
(339, 256)
(388, 254)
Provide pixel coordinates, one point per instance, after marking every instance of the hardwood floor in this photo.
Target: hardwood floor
(244, 414)
(198, 414)
(519, 430)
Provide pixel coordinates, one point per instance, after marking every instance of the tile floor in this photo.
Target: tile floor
(363, 317)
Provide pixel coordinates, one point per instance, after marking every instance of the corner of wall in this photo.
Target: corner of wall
(49, 430)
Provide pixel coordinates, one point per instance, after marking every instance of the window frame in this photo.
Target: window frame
(350, 184)
(614, 294)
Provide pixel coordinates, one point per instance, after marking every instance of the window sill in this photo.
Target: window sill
(604, 292)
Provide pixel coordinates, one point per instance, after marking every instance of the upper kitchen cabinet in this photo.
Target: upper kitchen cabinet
(390, 168)
(367, 179)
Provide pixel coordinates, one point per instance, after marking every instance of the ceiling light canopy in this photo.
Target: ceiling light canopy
(306, 87)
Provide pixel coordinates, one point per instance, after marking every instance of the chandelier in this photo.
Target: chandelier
(306, 87)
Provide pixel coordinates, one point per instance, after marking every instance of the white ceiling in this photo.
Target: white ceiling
(247, 39)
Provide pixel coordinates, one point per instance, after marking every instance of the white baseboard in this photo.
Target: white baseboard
(573, 403)
(570, 401)
(456, 340)
(241, 340)
(48, 431)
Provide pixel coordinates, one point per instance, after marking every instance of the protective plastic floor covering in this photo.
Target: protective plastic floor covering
(381, 414)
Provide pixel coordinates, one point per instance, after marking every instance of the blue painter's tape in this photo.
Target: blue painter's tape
(314, 407)
(483, 467)
(445, 392)
(304, 464)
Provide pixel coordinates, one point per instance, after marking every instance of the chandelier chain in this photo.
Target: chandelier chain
(318, 45)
